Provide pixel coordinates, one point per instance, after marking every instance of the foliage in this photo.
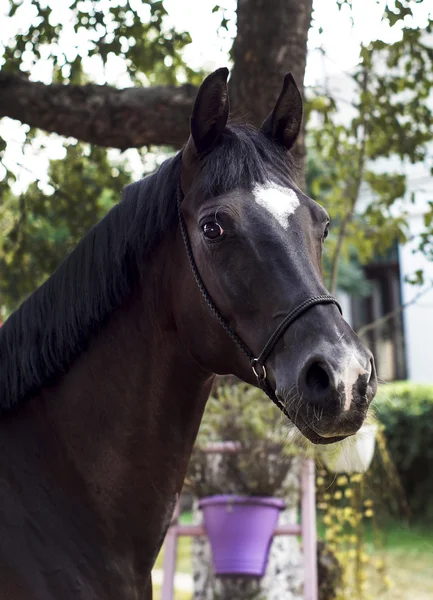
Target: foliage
(355, 509)
(72, 39)
(39, 228)
(239, 412)
(351, 278)
(390, 116)
(406, 411)
(243, 414)
(345, 509)
(133, 31)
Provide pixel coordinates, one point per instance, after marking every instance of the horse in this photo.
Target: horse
(209, 266)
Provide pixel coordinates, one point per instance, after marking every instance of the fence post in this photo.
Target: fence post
(309, 533)
(169, 562)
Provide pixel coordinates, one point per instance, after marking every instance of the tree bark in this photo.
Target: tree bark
(271, 40)
(100, 114)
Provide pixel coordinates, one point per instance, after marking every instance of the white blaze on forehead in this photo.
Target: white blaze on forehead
(349, 376)
(280, 201)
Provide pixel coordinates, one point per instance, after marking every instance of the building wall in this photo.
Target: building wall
(418, 317)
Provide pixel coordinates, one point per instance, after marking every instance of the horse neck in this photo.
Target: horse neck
(126, 417)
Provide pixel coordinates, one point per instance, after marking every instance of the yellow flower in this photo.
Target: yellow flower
(327, 520)
(338, 495)
(369, 513)
(348, 493)
(342, 480)
(320, 481)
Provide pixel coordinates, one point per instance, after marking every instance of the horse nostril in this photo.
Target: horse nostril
(317, 379)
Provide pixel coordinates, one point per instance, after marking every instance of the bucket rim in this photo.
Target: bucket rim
(230, 499)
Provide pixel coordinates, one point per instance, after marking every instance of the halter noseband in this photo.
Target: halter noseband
(257, 364)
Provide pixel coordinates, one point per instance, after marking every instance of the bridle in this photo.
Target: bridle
(257, 363)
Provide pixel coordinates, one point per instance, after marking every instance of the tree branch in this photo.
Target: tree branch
(353, 194)
(378, 322)
(100, 114)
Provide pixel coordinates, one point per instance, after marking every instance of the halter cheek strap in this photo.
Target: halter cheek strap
(257, 364)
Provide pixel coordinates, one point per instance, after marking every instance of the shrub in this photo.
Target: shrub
(406, 411)
(243, 414)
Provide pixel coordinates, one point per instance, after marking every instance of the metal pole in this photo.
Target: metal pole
(309, 533)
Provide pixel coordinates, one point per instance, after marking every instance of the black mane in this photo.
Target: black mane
(41, 339)
(52, 327)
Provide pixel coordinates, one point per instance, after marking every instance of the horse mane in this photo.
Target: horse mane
(53, 326)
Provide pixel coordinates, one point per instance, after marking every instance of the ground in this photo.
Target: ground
(407, 553)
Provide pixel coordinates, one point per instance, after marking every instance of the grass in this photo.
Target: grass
(407, 552)
(408, 556)
(179, 595)
(413, 538)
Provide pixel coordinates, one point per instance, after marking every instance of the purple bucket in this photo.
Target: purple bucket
(240, 532)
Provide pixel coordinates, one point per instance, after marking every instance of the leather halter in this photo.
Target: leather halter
(257, 363)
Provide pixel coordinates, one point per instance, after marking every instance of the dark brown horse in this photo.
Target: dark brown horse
(106, 368)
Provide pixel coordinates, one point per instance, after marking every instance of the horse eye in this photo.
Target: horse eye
(326, 232)
(212, 230)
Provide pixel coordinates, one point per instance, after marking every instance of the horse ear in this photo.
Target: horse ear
(284, 123)
(211, 111)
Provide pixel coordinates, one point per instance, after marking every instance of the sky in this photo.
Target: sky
(338, 33)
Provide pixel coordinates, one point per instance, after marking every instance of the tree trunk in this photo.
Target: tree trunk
(271, 40)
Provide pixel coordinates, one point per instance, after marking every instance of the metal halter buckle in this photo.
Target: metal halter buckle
(260, 375)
